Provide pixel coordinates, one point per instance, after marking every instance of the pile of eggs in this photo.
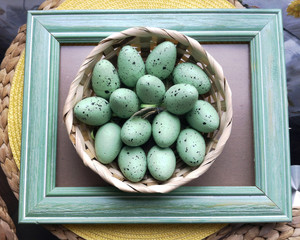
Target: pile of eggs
(140, 142)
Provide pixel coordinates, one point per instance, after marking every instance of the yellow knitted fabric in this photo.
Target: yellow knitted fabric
(142, 4)
(112, 231)
(145, 231)
(14, 121)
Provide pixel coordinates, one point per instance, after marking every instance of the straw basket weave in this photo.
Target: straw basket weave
(145, 39)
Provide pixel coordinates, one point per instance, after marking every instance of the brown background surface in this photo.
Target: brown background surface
(235, 166)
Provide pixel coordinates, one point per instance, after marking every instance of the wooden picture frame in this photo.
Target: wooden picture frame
(268, 201)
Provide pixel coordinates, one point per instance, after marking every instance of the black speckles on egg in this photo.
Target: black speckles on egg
(180, 98)
(161, 163)
(104, 78)
(191, 147)
(130, 66)
(147, 90)
(161, 60)
(136, 131)
(88, 111)
(165, 129)
(203, 117)
(132, 163)
(124, 102)
(192, 74)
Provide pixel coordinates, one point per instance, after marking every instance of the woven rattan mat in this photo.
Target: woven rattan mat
(7, 76)
(7, 227)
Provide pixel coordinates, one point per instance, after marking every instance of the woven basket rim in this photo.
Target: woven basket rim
(199, 53)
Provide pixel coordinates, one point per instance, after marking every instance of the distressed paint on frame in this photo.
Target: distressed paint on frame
(268, 201)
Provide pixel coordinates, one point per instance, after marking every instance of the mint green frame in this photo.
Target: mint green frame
(269, 200)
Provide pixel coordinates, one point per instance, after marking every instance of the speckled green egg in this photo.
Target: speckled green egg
(203, 117)
(180, 98)
(105, 79)
(191, 147)
(161, 163)
(108, 142)
(132, 163)
(124, 102)
(93, 111)
(130, 66)
(150, 89)
(165, 129)
(136, 131)
(161, 61)
(192, 74)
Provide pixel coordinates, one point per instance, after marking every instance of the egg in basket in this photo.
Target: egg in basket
(149, 110)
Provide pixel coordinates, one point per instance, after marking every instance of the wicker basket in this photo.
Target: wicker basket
(145, 39)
